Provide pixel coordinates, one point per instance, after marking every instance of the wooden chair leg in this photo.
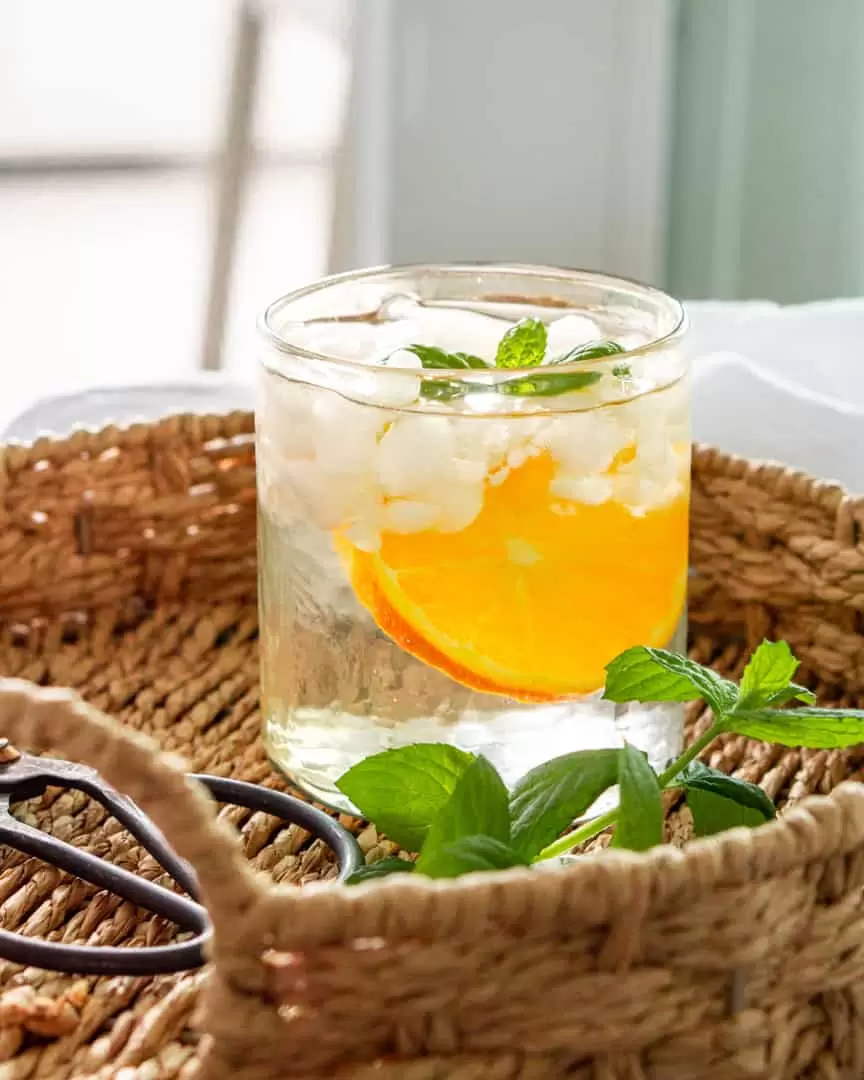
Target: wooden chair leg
(231, 179)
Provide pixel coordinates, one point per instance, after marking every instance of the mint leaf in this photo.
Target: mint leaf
(807, 726)
(640, 813)
(597, 350)
(769, 671)
(442, 391)
(430, 356)
(622, 371)
(478, 806)
(644, 674)
(713, 813)
(403, 790)
(551, 385)
(470, 854)
(792, 692)
(524, 345)
(382, 868)
(547, 799)
(750, 797)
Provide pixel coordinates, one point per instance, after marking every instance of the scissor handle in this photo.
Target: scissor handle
(104, 960)
(58, 720)
(189, 915)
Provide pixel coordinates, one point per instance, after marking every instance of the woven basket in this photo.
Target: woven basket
(127, 571)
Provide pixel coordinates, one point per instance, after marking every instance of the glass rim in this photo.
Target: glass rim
(533, 271)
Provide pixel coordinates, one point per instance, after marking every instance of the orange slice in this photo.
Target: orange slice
(535, 596)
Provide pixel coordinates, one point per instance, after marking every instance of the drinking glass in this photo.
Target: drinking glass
(454, 554)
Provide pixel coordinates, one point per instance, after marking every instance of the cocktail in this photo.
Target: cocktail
(473, 488)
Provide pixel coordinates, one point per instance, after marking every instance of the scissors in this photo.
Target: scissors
(26, 776)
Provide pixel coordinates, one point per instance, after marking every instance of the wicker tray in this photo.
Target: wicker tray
(738, 958)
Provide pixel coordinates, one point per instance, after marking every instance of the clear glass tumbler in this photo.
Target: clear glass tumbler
(452, 550)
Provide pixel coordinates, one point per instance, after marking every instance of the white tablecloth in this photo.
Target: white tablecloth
(784, 384)
(124, 405)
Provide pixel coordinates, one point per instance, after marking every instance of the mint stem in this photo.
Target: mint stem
(565, 844)
(692, 751)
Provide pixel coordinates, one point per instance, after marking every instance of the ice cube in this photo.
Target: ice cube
(364, 535)
(356, 341)
(403, 358)
(517, 456)
(393, 390)
(467, 472)
(569, 332)
(414, 454)
(296, 437)
(633, 339)
(408, 516)
(459, 505)
(590, 490)
(285, 416)
(499, 440)
(277, 496)
(612, 389)
(470, 439)
(457, 330)
(584, 442)
(656, 475)
(655, 457)
(317, 498)
(487, 402)
(346, 435)
(662, 409)
(642, 494)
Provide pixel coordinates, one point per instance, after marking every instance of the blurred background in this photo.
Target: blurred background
(168, 167)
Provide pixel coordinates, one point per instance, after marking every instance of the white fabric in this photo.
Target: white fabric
(783, 384)
(125, 405)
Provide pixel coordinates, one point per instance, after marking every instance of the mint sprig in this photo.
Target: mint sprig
(549, 797)
(551, 385)
(591, 351)
(430, 356)
(434, 359)
(718, 801)
(453, 807)
(808, 726)
(648, 675)
(640, 811)
(403, 790)
(643, 674)
(522, 346)
(469, 854)
(478, 806)
(767, 678)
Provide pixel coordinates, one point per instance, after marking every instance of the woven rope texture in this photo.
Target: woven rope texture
(127, 572)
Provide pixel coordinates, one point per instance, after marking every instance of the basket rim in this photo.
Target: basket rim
(22, 454)
(595, 889)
